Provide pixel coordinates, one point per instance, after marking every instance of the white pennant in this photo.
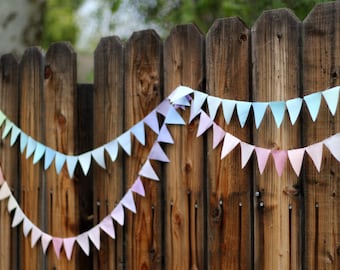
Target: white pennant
(148, 172)
(152, 121)
(296, 157)
(196, 104)
(179, 92)
(12, 204)
(112, 149)
(107, 226)
(85, 162)
(246, 151)
(315, 153)
(98, 156)
(83, 242)
(173, 117)
(332, 143)
(35, 235)
(205, 123)
(27, 226)
(18, 217)
(94, 235)
(118, 214)
(139, 132)
(213, 104)
(45, 241)
(229, 143)
(5, 191)
(129, 202)
(124, 141)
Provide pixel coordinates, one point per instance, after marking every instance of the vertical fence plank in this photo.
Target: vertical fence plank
(143, 85)
(60, 120)
(321, 61)
(108, 124)
(185, 182)
(32, 193)
(275, 55)
(229, 186)
(9, 98)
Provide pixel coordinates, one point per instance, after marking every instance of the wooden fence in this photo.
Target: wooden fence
(205, 213)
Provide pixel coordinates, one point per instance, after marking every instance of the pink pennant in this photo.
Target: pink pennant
(2, 179)
(94, 235)
(138, 187)
(164, 135)
(118, 214)
(157, 153)
(246, 151)
(296, 157)
(262, 157)
(107, 226)
(218, 135)
(83, 242)
(229, 143)
(152, 121)
(129, 202)
(57, 244)
(280, 159)
(205, 123)
(315, 153)
(68, 246)
(45, 241)
(148, 172)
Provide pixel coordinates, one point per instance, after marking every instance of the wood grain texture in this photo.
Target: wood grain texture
(143, 82)
(108, 124)
(321, 62)
(185, 183)
(276, 77)
(229, 187)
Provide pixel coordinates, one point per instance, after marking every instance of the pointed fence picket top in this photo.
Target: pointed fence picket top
(321, 60)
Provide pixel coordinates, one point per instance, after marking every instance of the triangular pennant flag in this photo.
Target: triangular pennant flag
(68, 246)
(124, 141)
(331, 97)
(112, 149)
(98, 156)
(152, 121)
(83, 242)
(7, 129)
(2, 179)
(280, 159)
(296, 157)
(107, 226)
(85, 162)
(315, 153)
(94, 235)
(45, 241)
(205, 123)
(262, 157)
(71, 162)
(23, 141)
(163, 107)
(313, 102)
(14, 134)
(5, 191)
(218, 135)
(157, 153)
(39, 152)
(147, 171)
(139, 132)
(128, 201)
(31, 145)
(57, 244)
(27, 226)
(294, 108)
(229, 143)
(259, 109)
(246, 151)
(12, 204)
(35, 235)
(333, 145)
(173, 117)
(118, 214)
(164, 135)
(196, 104)
(278, 109)
(179, 92)
(242, 108)
(2, 118)
(18, 217)
(228, 107)
(49, 157)
(59, 161)
(183, 101)
(138, 187)
(213, 104)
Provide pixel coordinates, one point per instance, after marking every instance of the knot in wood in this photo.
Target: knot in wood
(243, 37)
(187, 167)
(291, 190)
(47, 72)
(61, 119)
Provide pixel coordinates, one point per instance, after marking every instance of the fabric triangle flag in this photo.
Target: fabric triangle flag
(242, 108)
(173, 117)
(296, 157)
(49, 157)
(313, 102)
(213, 104)
(45, 241)
(59, 161)
(218, 135)
(229, 143)
(164, 135)
(138, 187)
(196, 104)
(333, 145)
(83, 242)
(152, 121)
(5, 191)
(98, 156)
(68, 246)
(12, 204)
(183, 101)
(179, 92)
(138, 131)
(39, 152)
(315, 153)
(7, 129)
(107, 226)
(163, 107)
(57, 244)
(259, 109)
(128, 201)
(278, 109)
(94, 235)
(280, 159)
(112, 149)
(2, 118)
(23, 141)
(148, 172)
(157, 153)
(2, 179)
(124, 141)
(35, 235)
(118, 214)
(71, 162)
(246, 151)
(85, 162)
(205, 123)
(14, 134)
(331, 97)
(27, 226)
(228, 107)
(19, 216)
(294, 108)
(31, 145)
(262, 157)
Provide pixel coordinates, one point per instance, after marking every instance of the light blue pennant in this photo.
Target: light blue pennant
(124, 141)
(173, 117)
(228, 107)
(331, 97)
(59, 161)
(2, 118)
(71, 162)
(242, 108)
(278, 109)
(7, 129)
(98, 156)
(85, 162)
(196, 104)
(213, 104)
(14, 134)
(313, 102)
(31, 145)
(294, 108)
(23, 141)
(39, 152)
(259, 109)
(112, 149)
(49, 157)
(138, 131)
